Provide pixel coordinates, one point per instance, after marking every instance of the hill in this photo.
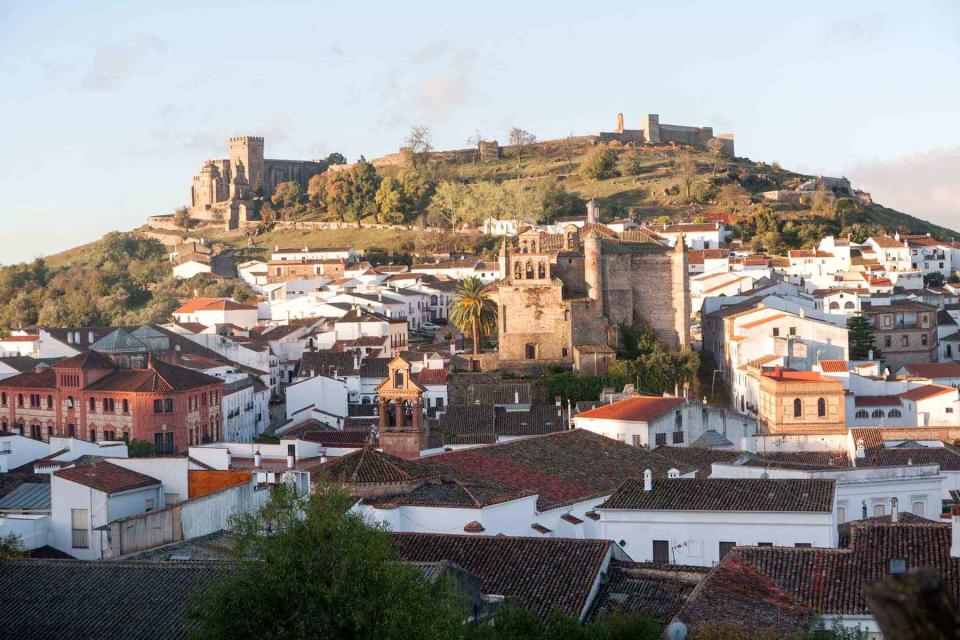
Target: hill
(436, 204)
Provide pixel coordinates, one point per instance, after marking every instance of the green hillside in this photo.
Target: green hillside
(123, 278)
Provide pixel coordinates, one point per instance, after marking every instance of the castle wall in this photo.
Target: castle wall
(534, 314)
(299, 171)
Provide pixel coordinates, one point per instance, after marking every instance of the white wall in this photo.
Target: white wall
(18, 450)
(33, 530)
(171, 471)
(324, 393)
(694, 536)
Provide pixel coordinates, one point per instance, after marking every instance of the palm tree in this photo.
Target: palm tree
(474, 310)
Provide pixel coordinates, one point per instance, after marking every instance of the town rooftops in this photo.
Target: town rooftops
(926, 391)
(213, 304)
(87, 360)
(158, 377)
(371, 466)
(933, 370)
(65, 598)
(106, 477)
(877, 401)
(691, 227)
(725, 494)
(634, 409)
(542, 574)
(783, 375)
(834, 366)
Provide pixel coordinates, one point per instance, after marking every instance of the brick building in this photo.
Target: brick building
(89, 397)
(904, 330)
(801, 402)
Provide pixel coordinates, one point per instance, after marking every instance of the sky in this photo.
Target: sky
(108, 109)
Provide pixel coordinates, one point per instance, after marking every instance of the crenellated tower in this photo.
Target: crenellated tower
(248, 150)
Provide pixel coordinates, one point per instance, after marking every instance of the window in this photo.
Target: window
(793, 331)
(125, 405)
(923, 340)
(725, 548)
(80, 525)
(661, 551)
(821, 408)
(660, 439)
(904, 340)
(877, 413)
(887, 341)
(19, 399)
(168, 405)
(887, 321)
(158, 406)
(776, 331)
(637, 441)
(3, 399)
(894, 413)
(803, 545)
(93, 435)
(677, 437)
(862, 414)
(49, 402)
(563, 352)
(878, 510)
(149, 504)
(918, 508)
(158, 443)
(797, 408)
(93, 404)
(841, 515)
(764, 544)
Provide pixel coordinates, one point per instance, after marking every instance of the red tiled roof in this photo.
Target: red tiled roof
(876, 401)
(542, 574)
(934, 370)
(106, 477)
(158, 377)
(212, 304)
(192, 327)
(45, 379)
(371, 466)
(87, 360)
(725, 494)
(794, 376)
(834, 366)
(926, 391)
(761, 321)
(635, 408)
(432, 376)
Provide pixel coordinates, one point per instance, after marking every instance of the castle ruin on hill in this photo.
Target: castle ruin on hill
(224, 188)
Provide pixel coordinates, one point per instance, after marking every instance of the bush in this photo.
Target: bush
(140, 449)
(600, 164)
(632, 163)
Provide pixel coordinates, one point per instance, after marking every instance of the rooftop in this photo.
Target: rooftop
(634, 409)
(725, 494)
(106, 477)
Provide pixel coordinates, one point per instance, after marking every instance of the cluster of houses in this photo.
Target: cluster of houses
(695, 513)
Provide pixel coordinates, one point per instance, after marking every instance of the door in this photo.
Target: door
(661, 551)
(725, 548)
(169, 444)
(158, 443)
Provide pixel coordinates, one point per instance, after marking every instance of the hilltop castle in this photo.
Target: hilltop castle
(564, 296)
(226, 187)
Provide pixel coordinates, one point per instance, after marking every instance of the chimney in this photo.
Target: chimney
(778, 371)
(894, 512)
(453, 347)
(648, 480)
(257, 459)
(955, 532)
(593, 212)
(870, 355)
(90, 337)
(861, 449)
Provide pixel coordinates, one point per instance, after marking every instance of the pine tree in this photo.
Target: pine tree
(861, 338)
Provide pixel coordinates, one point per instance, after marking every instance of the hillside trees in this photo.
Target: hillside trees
(181, 218)
(654, 369)
(287, 194)
(687, 171)
(521, 139)
(600, 164)
(351, 193)
(419, 143)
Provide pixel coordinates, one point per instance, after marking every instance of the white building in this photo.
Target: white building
(698, 521)
(307, 253)
(214, 311)
(708, 235)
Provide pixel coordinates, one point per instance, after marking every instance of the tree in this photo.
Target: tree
(476, 141)
(933, 279)
(418, 140)
(308, 567)
(733, 196)
(287, 194)
(335, 158)
(654, 369)
(600, 164)
(11, 547)
(861, 338)
(687, 170)
(390, 203)
(268, 215)
(715, 147)
(474, 310)
(182, 219)
(317, 188)
(520, 138)
(632, 163)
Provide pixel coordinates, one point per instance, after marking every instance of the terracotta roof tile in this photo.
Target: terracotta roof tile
(634, 408)
(926, 391)
(106, 477)
(725, 494)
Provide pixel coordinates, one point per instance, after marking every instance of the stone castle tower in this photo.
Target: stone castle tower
(248, 150)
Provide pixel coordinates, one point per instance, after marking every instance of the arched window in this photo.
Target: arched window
(862, 414)
(821, 408)
(894, 413)
(877, 413)
(797, 408)
(834, 305)
(398, 378)
(849, 305)
(566, 315)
